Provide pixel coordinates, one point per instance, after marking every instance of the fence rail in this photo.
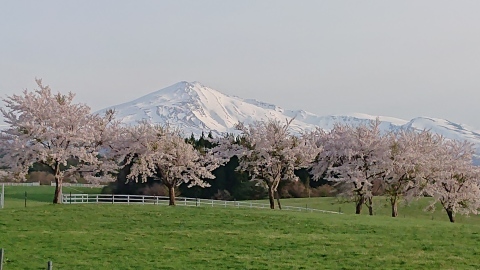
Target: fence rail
(77, 185)
(29, 184)
(20, 184)
(181, 201)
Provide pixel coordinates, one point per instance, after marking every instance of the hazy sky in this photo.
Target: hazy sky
(394, 58)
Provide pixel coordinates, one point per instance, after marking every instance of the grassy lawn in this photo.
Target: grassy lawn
(159, 237)
(36, 196)
(380, 208)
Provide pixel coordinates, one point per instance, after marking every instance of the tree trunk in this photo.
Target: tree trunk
(278, 200)
(171, 194)
(271, 197)
(57, 199)
(358, 208)
(394, 207)
(370, 206)
(450, 214)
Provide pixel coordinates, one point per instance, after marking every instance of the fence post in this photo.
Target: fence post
(49, 265)
(25, 199)
(1, 258)
(70, 197)
(128, 199)
(2, 197)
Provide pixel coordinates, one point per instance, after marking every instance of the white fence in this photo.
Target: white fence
(35, 184)
(164, 200)
(77, 185)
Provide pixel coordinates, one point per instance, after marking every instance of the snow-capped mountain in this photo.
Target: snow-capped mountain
(195, 108)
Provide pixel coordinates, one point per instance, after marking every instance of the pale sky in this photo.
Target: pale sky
(393, 58)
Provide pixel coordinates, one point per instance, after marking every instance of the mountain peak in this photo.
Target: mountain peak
(186, 84)
(181, 92)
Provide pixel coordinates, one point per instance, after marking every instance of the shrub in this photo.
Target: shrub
(157, 189)
(323, 191)
(294, 189)
(223, 195)
(45, 178)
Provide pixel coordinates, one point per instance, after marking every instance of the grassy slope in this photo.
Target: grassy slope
(381, 208)
(149, 237)
(158, 237)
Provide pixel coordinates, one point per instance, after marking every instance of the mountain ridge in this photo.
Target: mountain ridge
(196, 108)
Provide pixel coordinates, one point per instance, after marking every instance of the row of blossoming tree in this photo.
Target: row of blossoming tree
(50, 129)
(407, 164)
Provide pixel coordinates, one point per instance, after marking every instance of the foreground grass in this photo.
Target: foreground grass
(160, 237)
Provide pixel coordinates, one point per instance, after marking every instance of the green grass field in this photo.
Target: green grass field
(36, 196)
(159, 237)
(381, 207)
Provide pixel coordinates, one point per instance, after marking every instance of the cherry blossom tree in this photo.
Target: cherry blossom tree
(353, 157)
(410, 153)
(269, 153)
(161, 152)
(50, 129)
(454, 180)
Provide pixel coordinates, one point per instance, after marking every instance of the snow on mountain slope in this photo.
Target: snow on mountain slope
(449, 130)
(195, 108)
(446, 128)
